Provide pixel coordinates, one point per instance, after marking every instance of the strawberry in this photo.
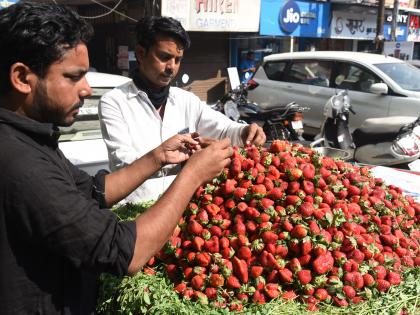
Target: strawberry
(321, 294)
(197, 282)
(244, 252)
(278, 146)
(211, 293)
(194, 227)
(299, 231)
(198, 243)
(286, 275)
(269, 237)
(240, 269)
(349, 291)
(382, 285)
(258, 191)
(393, 278)
(308, 171)
(304, 276)
(272, 290)
(289, 295)
(323, 263)
(306, 209)
(240, 193)
(233, 282)
(276, 193)
(216, 280)
(256, 271)
(258, 297)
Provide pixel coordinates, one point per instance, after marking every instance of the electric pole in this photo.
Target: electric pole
(394, 21)
(379, 40)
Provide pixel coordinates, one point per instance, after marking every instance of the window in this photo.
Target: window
(310, 72)
(275, 70)
(355, 78)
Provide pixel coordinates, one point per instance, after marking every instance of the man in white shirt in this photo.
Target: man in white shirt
(141, 114)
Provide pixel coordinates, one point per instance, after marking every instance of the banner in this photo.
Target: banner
(349, 25)
(294, 18)
(214, 15)
(6, 3)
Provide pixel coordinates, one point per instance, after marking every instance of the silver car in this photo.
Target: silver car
(378, 85)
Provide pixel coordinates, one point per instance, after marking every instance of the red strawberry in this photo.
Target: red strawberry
(304, 276)
(272, 290)
(299, 231)
(269, 237)
(233, 282)
(393, 278)
(240, 193)
(275, 193)
(323, 263)
(308, 171)
(349, 291)
(244, 252)
(286, 275)
(306, 209)
(240, 269)
(211, 293)
(216, 280)
(194, 227)
(321, 294)
(382, 285)
(197, 282)
(256, 271)
(368, 280)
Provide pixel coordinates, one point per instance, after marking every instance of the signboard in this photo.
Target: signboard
(214, 15)
(294, 18)
(401, 31)
(6, 3)
(414, 29)
(348, 25)
(401, 50)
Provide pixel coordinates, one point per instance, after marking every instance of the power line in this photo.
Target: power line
(111, 10)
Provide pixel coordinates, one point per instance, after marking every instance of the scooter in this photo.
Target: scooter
(283, 122)
(388, 141)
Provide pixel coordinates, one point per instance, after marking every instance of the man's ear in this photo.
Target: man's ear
(22, 78)
(140, 52)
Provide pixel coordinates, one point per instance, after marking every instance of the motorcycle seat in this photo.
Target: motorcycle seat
(375, 130)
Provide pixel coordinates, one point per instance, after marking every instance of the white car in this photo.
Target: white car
(378, 85)
(82, 142)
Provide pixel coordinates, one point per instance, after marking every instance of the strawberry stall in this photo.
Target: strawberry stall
(282, 230)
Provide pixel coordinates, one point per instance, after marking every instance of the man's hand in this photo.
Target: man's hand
(253, 134)
(209, 162)
(176, 149)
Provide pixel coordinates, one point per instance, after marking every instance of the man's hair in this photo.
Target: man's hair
(38, 34)
(151, 26)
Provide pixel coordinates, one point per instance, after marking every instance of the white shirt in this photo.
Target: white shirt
(131, 127)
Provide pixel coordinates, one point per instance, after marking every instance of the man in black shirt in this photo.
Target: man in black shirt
(56, 235)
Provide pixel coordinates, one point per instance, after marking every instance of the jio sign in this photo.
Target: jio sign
(289, 17)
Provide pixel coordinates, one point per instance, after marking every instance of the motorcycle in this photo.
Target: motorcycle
(283, 122)
(388, 141)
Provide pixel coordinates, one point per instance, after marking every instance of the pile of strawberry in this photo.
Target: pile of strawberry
(287, 222)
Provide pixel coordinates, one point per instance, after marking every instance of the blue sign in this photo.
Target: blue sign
(401, 32)
(294, 18)
(6, 3)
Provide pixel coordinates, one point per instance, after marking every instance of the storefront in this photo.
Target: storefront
(301, 25)
(213, 25)
(414, 32)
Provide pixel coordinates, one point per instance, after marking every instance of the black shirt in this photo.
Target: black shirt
(55, 237)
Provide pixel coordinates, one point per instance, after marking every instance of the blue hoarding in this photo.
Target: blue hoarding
(6, 3)
(400, 32)
(294, 18)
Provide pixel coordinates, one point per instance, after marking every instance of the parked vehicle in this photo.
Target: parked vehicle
(283, 122)
(82, 142)
(379, 141)
(378, 85)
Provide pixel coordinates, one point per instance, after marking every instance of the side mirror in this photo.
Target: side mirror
(185, 78)
(379, 88)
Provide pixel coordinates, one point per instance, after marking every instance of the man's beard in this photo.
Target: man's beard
(46, 111)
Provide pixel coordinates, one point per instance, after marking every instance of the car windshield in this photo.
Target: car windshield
(405, 75)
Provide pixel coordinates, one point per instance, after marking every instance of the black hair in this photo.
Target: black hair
(150, 26)
(38, 34)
